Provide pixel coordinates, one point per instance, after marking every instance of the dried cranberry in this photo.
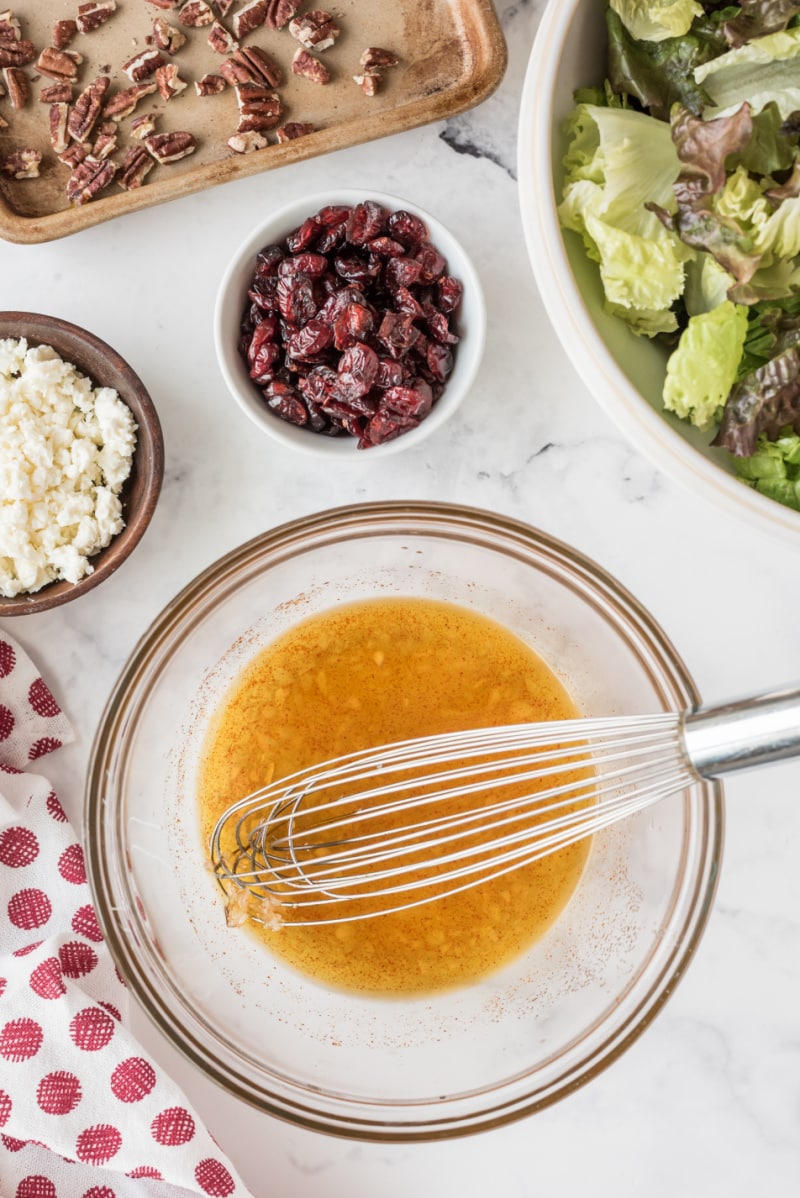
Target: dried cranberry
(449, 293)
(398, 332)
(390, 373)
(263, 293)
(268, 260)
(263, 334)
(319, 384)
(405, 301)
(366, 221)
(309, 341)
(407, 229)
(402, 272)
(353, 324)
(304, 237)
(356, 269)
(384, 426)
(385, 247)
(286, 403)
(333, 215)
(439, 328)
(313, 265)
(329, 239)
(432, 263)
(358, 368)
(413, 401)
(439, 360)
(296, 298)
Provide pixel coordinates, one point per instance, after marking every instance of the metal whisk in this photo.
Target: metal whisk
(409, 823)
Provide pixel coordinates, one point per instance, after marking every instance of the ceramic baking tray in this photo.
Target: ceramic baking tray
(452, 55)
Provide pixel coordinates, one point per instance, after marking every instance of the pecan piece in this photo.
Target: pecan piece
(92, 16)
(246, 19)
(143, 65)
(56, 93)
(89, 178)
(135, 165)
(106, 141)
(63, 33)
(123, 103)
(262, 68)
(15, 52)
(245, 143)
(280, 12)
(74, 154)
(60, 65)
(195, 13)
(87, 108)
(163, 4)
(292, 130)
(221, 39)
(210, 85)
(17, 85)
(169, 81)
(169, 147)
(22, 164)
(223, 7)
(369, 82)
(10, 29)
(309, 67)
(166, 37)
(59, 139)
(374, 56)
(316, 30)
(142, 126)
(260, 108)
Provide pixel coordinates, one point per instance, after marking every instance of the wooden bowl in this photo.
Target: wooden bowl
(139, 495)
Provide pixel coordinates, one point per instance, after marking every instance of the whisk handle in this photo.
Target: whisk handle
(745, 733)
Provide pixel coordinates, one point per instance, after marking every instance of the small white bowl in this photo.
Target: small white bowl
(232, 297)
(624, 373)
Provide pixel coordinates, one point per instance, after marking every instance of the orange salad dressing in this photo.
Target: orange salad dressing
(362, 675)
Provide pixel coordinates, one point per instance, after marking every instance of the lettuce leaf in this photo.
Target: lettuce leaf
(660, 74)
(702, 370)
(758, 17)
(764, 70)
(764, 402)
(655, 20)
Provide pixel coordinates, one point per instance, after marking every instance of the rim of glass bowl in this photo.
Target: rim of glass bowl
(124, 930)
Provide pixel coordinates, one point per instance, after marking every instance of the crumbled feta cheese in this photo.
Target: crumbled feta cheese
(66, 449)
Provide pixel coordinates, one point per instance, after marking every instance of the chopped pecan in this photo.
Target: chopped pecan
(89, 178)
(246, 19)
(309, 67)
(223, 7)
(135, 165)
(63, 33)
(74, 154)
(22, 164)
(316, 30)
(142, 126)
(369, 82)
(245, 143)
(221, 39)
(374, 56)
(143, 65)
(123, 103)
(17, 85)
(92, 16)
(210, 85)
(59, 64)
(169, 81)
(292, 130)
(195, 13)
(87, 108)
(16, 52)
(58, 126)
(163, 4)
(56, 93)
(260, 67)
(260, 108)
(169, 147)
(106, 141)
(280, 12)
(10, 30)
(166, 37)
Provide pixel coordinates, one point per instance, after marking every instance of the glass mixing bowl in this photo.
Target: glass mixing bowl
(377, 1068)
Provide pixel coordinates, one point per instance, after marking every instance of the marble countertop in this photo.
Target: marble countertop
(708, 1100)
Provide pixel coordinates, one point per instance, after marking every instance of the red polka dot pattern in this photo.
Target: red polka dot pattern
(28, 948)
(84, 922)
(112, 1010)
(71, 865)
(213, 1178)
(29, 908)
(5, 1108)
(8, 659)
(59, 1093)
(91, 1029)
(100, 1192)
(11, 1144)
(41, 700)
(7, 722)
(18, 847)
(77, 959)
(36, 1186)
(145, 1171)
(20, 1039)
(46, 979)
(133, 1079)
(98, 1144)
(43, 746)
(173, 1126)
(54, 808)
(3, 984)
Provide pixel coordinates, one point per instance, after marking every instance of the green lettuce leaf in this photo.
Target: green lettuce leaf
(655, 20)
(764, 70)
(702, 370)
(774, 468)
(660, 74)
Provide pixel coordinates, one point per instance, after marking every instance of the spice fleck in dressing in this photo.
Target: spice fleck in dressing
(363, 675)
